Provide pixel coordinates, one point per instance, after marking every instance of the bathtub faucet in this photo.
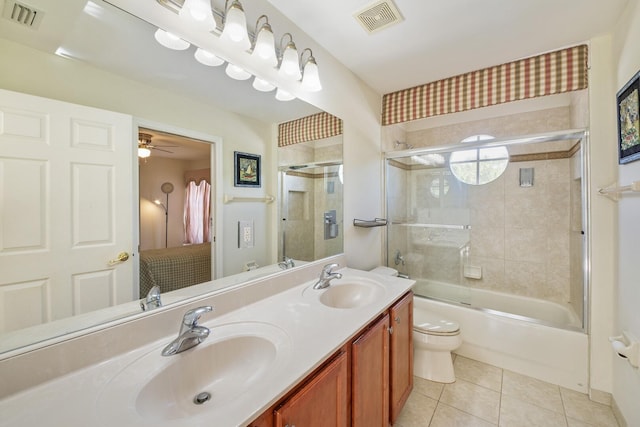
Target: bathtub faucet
(326, 275)
(399, 258)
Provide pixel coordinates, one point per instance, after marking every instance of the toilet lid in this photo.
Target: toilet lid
(434, 325)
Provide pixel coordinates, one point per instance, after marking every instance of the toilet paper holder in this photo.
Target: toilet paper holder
(627, 347)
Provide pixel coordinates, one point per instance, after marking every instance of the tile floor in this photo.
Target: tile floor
(484, 395)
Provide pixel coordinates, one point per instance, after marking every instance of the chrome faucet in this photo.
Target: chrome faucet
(152, 300)
(326, 276)
(191, 334)
(286, 263)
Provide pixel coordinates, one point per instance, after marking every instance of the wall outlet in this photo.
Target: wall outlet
(245, 234)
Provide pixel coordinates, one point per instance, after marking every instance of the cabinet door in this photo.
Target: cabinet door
(401, 364)
(322, 402)
(264, 420)
(370, 376)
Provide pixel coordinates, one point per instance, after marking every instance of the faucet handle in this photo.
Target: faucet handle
(191, 317)
(329, 267)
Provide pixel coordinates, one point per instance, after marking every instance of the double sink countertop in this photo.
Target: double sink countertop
(253, 356)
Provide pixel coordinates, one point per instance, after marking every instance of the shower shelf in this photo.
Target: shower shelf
(377, 222)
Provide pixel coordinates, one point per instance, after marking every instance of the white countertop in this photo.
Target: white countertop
(313, 332)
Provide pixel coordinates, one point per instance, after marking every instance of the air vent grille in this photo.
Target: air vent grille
(379, 15)
(22, 14)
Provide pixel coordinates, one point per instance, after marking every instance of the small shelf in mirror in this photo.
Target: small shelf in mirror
(376, 222)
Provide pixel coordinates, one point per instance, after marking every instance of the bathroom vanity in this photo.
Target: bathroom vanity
(279, 353)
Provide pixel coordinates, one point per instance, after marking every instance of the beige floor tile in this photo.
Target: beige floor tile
(417, 412)
(531, 390)
(518, 413)
(428, 388)
(478, 373)
(473, 399)
(579, 407)
(446, 416)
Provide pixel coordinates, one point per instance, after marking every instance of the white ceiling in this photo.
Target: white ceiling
(436, 39)
(443, 38)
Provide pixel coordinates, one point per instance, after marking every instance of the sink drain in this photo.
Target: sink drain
(201, 398)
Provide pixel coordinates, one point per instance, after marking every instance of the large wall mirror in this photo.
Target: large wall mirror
(83, 31)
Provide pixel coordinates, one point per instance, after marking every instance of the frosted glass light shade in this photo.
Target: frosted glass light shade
(143, 152)
(311, 77)
(283, 95)
(289, 66)
(170, 40)
(237, 73)
(198, 12)
(207, 58)
(262, 85)
(265, 49)
(235, 26)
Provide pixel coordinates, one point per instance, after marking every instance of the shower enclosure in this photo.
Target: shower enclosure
(495, 225)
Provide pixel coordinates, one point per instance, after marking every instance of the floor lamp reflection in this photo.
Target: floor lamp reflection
(166, 188)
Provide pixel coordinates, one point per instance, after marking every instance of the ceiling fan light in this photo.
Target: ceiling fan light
(198, 12)
(143, 152)
(289, 66)
(207, 58)
(235, 26)
(311, 77)
(170, 40)
(237, 73)
(262, 85)
(283, 95)
(265, 49)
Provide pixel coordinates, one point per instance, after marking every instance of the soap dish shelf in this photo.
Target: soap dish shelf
(376, 222)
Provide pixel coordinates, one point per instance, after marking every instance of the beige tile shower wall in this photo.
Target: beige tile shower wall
(299, 225)
(397, 190)
(534, 122)
(326, 201)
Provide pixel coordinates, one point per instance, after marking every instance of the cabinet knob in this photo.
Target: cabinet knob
(390, 330)
(397, 319)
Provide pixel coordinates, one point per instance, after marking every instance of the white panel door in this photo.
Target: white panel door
(66, 209)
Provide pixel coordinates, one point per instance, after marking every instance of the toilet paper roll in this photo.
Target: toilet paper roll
(620, 348)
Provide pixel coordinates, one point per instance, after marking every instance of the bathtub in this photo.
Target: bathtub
(532, 337)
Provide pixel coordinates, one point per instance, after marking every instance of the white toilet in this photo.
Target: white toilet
(434, 339)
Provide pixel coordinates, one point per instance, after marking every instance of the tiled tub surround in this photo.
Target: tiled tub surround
(314, 331)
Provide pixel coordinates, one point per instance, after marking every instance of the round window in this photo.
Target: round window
(478, 166)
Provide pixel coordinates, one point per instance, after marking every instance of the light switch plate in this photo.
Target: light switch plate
(245, 234)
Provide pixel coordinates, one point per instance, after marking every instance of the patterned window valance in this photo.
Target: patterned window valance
(310, 128)
(551, 73)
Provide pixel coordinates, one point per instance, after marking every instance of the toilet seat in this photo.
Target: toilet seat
(434, 325)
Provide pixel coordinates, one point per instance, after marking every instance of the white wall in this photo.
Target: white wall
(626, 380)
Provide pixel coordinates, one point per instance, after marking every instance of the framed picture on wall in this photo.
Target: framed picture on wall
(246, 169)
(628, 101)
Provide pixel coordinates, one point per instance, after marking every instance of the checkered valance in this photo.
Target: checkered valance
(551, 73)
(310, 128)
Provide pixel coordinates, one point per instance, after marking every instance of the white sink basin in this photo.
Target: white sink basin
(350, 293)
(234, 359)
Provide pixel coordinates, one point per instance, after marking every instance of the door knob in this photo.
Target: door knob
(122, 257)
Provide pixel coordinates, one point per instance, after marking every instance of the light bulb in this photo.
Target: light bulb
(289, 66)
(143, 152)
(207, 58)
(199, 13)
(264, 48)
(237, 73)
(170, 40)
(235, 26)
(262, 85)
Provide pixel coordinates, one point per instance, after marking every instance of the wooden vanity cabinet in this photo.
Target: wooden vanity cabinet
(401, 355)
(366, 384)
(322, 402)
(370, 376)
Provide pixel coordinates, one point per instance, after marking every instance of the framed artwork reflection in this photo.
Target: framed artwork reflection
(246, 169)
(628, 102)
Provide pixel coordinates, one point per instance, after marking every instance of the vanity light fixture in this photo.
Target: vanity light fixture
(199, 13)
(170, 40)
(262, 85)
(310, 76)
(283, 95)
(264, 46)
(207, 58)
(289, 66)
(236, 73)
(235, 25)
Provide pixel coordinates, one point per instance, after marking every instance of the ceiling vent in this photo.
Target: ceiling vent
(378, 15)
(22, 14)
